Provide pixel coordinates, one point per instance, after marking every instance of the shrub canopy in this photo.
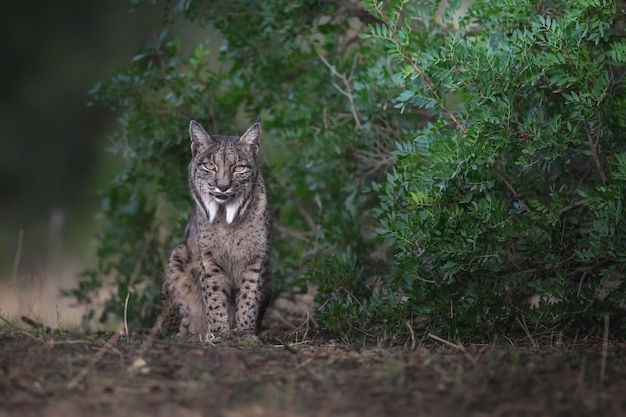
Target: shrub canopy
(438, 167)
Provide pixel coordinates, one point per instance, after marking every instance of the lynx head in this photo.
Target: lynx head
(223, 171)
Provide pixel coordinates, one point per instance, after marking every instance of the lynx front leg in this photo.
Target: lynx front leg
(182, 310)
(216, 298)
(249, 299)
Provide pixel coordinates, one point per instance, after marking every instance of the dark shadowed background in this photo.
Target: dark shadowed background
(52, 155)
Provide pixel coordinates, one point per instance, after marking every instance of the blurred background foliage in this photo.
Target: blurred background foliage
(435, 166)
(51, 141)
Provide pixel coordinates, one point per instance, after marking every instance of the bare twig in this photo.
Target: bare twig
(509, 186)
(593, 146)
(286, 346)
(580, 283)
(375, 160)
(31, 336)
(412, 333)
(83, 372)
(296, 234)
(457, 346)
(428, 281)
(444, 341)
(524, 327)
(283, 320)
(347, 92)
(574, 204)
(427, 81)
(70, 342)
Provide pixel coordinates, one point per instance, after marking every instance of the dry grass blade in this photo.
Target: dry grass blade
(8, 323)
(126, 316)
(18, 254)
(524, 327)
(412, 333)
(473, 359)
(444, 341)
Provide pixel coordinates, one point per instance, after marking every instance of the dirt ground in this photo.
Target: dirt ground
(292, 374)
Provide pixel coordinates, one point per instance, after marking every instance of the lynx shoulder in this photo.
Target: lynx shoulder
(218, 278)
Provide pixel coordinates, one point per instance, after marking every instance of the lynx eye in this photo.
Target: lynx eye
(209, 166)
(238, 169)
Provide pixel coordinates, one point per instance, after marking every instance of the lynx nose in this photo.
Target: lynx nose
(223, 188)
(222, 182)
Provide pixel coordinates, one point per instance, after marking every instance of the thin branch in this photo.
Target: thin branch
(83, 372)
(428, 281)
(574, 204)
(524, 327)
(373, 160)
(473, 359)
(427, 81)
(347, 92)
(296, 234)
(412, 333)
(509, 186)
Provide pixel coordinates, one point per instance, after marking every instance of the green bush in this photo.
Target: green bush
(515, 187)
(326, 98)
(482, 149)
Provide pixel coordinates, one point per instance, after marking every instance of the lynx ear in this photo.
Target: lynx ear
(252, 136)
(199, 137)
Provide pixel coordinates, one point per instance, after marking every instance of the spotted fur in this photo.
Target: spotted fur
(218, 278)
